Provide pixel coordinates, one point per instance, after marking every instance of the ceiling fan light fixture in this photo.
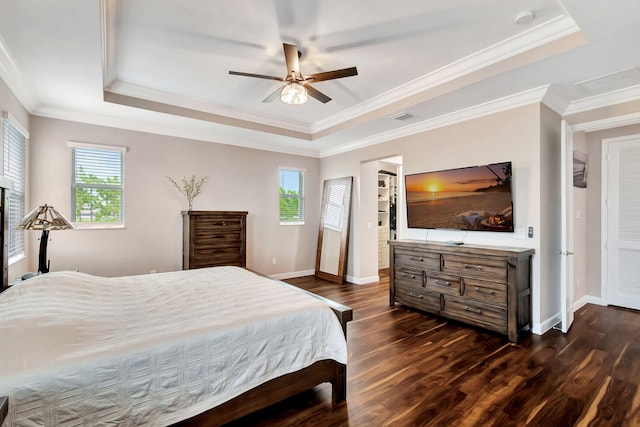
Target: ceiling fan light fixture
(294, 94)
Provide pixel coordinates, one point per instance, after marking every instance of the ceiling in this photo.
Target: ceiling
(162, 66)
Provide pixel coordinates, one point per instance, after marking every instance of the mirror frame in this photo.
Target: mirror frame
(344, 240)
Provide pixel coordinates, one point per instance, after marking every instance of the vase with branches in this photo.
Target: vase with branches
(189, 188)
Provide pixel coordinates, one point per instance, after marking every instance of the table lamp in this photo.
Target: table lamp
(44, 218)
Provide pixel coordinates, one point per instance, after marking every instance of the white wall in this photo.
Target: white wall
(550, 229)
(513, 135)
(240, 179)
(368, 223)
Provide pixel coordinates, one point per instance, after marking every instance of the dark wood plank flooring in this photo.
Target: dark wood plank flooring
(408, 368)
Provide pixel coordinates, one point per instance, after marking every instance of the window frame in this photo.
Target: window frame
(17, 185)
(97, 225)
(300, 197)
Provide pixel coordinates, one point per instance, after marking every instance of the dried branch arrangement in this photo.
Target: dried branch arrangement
(190, 188)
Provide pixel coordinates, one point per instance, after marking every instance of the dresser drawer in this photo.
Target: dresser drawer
(484, 268)
(212, 258)
(218, 224)
(446, 284)
(409, 276)
(485, 315)
(489, 292)
(421, 260)
(202, 238)
(417, 297)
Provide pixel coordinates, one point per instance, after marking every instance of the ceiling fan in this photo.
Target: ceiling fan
(297, 88)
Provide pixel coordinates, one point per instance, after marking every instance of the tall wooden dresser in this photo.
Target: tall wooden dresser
(486, 286)
(214, 238)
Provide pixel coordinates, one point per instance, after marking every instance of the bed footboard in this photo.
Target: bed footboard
(275, 391)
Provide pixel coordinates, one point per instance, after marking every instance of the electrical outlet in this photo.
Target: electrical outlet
(154, 271)
(530, 232)
(273, 260)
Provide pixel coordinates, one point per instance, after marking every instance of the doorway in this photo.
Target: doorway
(621, 224)
(389, 174)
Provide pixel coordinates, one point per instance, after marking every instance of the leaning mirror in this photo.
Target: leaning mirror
(333, 237)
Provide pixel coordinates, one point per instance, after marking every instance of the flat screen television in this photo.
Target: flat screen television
(471, 198)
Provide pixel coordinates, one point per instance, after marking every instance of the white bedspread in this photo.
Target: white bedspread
(77, 349)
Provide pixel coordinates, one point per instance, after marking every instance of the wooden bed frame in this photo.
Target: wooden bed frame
(285, 386)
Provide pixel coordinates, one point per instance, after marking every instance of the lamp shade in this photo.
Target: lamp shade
(294, 93)
(44, 218)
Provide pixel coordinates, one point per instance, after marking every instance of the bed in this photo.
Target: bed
(203, 346)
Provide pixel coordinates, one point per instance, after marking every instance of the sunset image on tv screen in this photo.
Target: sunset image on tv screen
(472, 198)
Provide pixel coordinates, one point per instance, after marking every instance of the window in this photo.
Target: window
(97, 185)
(14, 164)
(291, 196)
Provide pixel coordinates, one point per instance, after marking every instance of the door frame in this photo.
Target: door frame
(566, 252)
(604, 221)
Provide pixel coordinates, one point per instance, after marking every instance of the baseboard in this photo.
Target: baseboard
(547, 325)
(541, 328)
(293, 274)
(350, 279)
(595, 300)
(362, 280)
(587, 299)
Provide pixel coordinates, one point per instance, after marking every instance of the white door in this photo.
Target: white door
(566, 244)
(623, 222)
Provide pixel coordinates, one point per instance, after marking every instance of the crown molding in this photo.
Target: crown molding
(185, 132)
(11, 74)
(608, 123)
(463, 115)
(555, 101)
(540, 35)
(605, 100)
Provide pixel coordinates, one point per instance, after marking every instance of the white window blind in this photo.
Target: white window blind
(291, 196)
(335, 207)
(97, 191)
(15, 152)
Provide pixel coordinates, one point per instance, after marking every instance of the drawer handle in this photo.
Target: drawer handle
(473, 310)
(475, 267)
(442, 282)
(483, 291)
(413, 258)
(219, 223)
(410, 276)
(411, 294)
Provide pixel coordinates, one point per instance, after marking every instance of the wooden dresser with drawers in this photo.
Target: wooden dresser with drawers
(214, 238)
(486, 286)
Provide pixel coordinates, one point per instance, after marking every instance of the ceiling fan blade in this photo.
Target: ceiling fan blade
(259, 76)
(330, 75)
(273, 95)
(315, 93)
(291, 56)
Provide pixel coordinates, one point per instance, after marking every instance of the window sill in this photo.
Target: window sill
(15, 259)
(292, 223)
(96, 226)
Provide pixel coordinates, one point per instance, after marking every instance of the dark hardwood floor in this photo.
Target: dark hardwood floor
(407, 368)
